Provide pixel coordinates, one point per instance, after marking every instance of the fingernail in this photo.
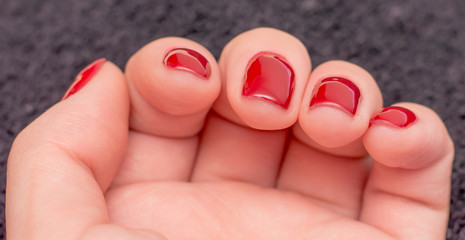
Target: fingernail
(339, 91)
(269, 77)
(188, 60)
(398, 116)
(84, 77)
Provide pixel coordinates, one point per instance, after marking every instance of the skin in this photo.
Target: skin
(201, 161)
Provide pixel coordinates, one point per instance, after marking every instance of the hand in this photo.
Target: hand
(254, 147)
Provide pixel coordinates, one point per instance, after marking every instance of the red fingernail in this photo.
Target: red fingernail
(339, 91)
(398, 116)
(84, 77)
(269, 77)
(188, 60)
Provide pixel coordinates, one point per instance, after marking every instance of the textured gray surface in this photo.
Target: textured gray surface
(415, 49)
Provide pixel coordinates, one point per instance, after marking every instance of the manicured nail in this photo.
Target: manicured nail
(188, 60)
(339, 91)
(84, 77)
(269, 77)
(398, 116)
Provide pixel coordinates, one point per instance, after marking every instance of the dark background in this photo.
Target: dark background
(415, 49)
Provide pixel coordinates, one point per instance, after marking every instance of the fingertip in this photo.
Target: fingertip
(330, 127)
(103, 77)
(338, 103)
(173, 83)
(264, 71)
(408, 135)
(176, 76)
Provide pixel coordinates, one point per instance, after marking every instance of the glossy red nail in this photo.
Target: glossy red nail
(84, 77)
(269, 77)
(339, 91)
(398, 116)
(188, 60)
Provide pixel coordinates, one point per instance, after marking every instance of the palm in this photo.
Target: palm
(312, 194)
(308, 194)
(230, 210)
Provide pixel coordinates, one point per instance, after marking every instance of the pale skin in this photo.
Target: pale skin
(157, 153)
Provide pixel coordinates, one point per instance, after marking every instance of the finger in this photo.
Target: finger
(338, 103)
(328, 162)
(62, 163)
(264, 72)
(173, 83)
(409, 184)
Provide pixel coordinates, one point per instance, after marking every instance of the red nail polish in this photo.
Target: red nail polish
(339, 91)
(398, 116)
(269, 77)
(84, 77)
(188, 60)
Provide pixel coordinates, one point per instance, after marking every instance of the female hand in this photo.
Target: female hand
(254, 147)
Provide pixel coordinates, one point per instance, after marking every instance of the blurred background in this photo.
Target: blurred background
(415, 50)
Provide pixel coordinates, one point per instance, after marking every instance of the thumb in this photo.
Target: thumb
(61, 164)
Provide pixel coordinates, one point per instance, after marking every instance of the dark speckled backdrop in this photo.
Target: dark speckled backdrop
(415, 49)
